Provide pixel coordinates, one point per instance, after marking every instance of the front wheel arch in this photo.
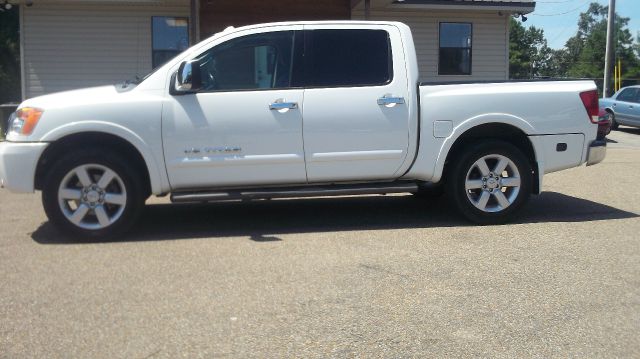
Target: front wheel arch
(86, 141)
(614, 123)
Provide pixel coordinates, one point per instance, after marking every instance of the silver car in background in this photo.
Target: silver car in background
(624, 105)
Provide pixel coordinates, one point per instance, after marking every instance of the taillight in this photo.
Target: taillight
(590, 102)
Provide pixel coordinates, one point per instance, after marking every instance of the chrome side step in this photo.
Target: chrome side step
(292, 192)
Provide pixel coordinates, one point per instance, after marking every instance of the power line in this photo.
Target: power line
(563, 13)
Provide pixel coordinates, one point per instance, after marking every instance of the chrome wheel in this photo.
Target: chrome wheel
(92, 196)
(492, 183)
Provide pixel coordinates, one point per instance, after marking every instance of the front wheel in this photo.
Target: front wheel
(614, 123)
(92, 194)
(490, 182)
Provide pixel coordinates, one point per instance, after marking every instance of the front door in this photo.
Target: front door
(624, 106)
(356, 113)
(244, 127)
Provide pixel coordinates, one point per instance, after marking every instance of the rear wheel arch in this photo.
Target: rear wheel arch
(495, 131)
(91, 140)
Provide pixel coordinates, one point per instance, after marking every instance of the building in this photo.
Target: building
(69, 44)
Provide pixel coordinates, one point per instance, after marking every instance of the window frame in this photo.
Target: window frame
(296, 58)
(470, 48)
(154, 68)
(308, 63)
(298, 79)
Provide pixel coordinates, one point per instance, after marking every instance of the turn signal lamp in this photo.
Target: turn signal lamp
(25, 120)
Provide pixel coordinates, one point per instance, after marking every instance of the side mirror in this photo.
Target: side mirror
(188, 78)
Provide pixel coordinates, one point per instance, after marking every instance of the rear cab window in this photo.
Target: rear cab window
(347, 58)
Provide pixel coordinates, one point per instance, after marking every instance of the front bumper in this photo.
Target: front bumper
(18, 161)
(597, 152)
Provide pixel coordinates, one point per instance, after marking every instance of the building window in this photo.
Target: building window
(455, 49)
(170, 36)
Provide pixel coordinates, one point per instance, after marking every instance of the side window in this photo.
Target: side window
(169, 37)
(338, 58)
(455, 49)
(627, 95)
(253, 62)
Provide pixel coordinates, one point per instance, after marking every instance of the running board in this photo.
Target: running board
(293, 192)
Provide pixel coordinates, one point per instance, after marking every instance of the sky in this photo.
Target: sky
(559, 18)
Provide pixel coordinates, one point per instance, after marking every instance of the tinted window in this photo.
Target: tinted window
(455, 49)
(335, 58)
(260, 61)
(627, 95)
(170, 36)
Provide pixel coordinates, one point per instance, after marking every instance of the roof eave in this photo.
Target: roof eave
(519, 7)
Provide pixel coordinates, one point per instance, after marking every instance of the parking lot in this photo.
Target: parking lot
(375, 276)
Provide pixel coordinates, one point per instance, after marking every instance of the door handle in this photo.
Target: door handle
(387, 100)
(280, 104)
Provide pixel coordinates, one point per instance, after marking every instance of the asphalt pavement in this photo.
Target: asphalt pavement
(373, 276)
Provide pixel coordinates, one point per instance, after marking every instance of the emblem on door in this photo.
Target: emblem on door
(213, 150)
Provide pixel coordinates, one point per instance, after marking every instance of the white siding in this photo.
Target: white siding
(489, 44)
(73, 45)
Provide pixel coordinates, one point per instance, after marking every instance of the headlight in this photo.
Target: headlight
(25, 120)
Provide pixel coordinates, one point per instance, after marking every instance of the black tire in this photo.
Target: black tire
(614, 124)
(465, 165)
(128, 178)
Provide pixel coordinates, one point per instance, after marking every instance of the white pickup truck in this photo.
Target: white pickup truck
(294, 109)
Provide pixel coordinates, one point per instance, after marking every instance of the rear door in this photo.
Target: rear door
(356, 118)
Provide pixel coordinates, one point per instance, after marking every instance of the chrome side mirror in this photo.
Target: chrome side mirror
(188, 78)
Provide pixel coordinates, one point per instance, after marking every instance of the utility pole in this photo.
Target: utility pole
(608, 57)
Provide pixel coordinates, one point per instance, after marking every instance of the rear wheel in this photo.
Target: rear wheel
(93, 194)
(490, 182)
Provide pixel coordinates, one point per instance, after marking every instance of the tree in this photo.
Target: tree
(585, 52)
(9, 56)
(529, 55)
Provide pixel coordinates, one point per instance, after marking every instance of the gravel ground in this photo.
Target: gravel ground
(336, 277)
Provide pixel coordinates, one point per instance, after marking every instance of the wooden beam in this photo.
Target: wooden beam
(193, 23)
